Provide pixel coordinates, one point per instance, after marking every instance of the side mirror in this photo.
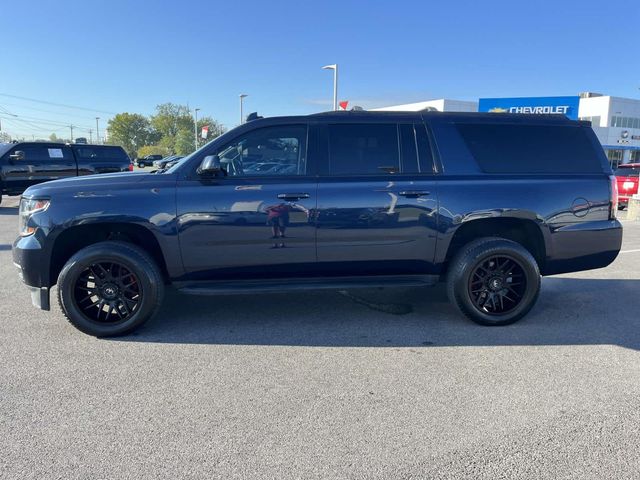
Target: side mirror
(17, 155)
(210, 165)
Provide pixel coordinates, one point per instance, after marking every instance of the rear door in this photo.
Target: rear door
(41, 163)
(377, 199)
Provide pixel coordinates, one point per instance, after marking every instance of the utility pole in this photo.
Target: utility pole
(90, 137)
(71, 127)
(195, 127)
(97, 131)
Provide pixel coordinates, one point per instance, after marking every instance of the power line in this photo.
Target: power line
(56, 104)
(42, 110)
(43, 120)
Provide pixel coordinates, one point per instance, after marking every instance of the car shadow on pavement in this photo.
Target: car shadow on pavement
(571, 311)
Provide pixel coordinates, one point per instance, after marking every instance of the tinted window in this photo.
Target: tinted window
(503, 148)
(409, 149)
(628, 172)
(267, 151)
(101, 153)
(45, 153)
(367, 149)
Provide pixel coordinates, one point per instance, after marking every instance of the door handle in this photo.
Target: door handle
(414, 193)
(292, 196)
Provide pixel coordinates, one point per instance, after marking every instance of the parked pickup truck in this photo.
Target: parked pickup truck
(28, 163)
(627, 176)
(486, 202)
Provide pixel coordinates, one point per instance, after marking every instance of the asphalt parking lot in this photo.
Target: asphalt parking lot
(317, 385)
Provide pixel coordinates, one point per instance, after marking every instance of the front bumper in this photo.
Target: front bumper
(28, 258)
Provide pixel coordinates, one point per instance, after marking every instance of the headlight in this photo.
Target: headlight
(28, 208)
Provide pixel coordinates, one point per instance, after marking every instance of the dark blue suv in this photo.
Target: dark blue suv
(486, 202)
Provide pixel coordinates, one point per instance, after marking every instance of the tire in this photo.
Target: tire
(141, 165)
(120, 275)
(493, 281)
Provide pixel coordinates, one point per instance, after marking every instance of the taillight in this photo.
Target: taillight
(613, 201)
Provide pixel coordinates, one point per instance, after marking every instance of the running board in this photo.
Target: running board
(237, 287)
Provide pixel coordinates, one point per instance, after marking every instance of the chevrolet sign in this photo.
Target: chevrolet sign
(532, 105)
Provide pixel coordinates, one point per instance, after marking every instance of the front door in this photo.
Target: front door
(377, 200)
(257, 220)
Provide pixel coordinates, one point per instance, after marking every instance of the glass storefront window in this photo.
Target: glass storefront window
(615, 157)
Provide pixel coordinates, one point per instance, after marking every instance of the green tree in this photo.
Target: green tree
(184, 143)
(169, 120)
(215, 130)
(153, 150)
(131, 131)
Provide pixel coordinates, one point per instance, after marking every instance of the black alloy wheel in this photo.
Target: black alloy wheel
(493, 281)
(497, 285)
(108, 292)
(110, 288)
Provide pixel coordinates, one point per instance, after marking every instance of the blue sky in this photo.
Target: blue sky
(119, 55)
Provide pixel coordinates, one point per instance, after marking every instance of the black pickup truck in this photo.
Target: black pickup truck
(486, 202)
(28, 163)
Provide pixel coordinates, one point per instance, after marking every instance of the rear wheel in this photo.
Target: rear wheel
(110, 288)
(493, 281)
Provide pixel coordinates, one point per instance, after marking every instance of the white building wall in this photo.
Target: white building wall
(441, 104)
(614, 137)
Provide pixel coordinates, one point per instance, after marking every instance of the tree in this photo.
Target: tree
(131, 131)
(184, 143)
(152, 150)
(169, 120)
(215, 130)
(55, 138)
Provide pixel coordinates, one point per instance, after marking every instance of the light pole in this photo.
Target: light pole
(334, 67)
(242, 97)
(195, 126)
(71, 127)
(97, 131)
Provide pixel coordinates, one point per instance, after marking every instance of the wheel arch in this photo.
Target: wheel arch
(75, 238)
(524, 231)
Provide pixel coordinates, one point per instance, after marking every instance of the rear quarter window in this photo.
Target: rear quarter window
(522, 148)
(101, 153)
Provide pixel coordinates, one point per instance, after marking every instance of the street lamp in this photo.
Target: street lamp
(334, 67)
(195, 126)
(242, 97)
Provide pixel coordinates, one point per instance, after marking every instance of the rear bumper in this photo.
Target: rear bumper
(583, 246)
(28, 258)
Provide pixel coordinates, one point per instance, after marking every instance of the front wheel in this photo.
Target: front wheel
(493, 281)
(110, 288)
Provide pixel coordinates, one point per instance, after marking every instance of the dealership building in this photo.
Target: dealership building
(615, 120)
